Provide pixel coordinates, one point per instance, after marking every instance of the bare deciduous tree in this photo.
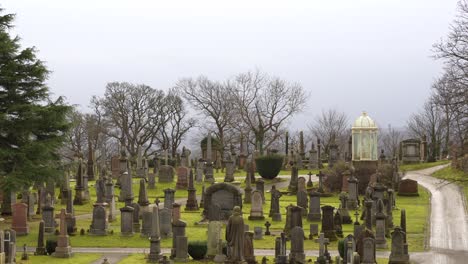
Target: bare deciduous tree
(390, 139)
(429, 121)
(178, 124)
(213, 99)
(136, 112)
(331, 122)
(265, 103)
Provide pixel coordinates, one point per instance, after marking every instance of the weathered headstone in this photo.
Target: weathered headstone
(313, 161)
(368, 256)
(293, 218)
(258, 232)
(380, 227)
(302, 201)
(213, 237)
(40, 249)
(275, 213)
(165, 222)
(200, 169)
(19, 221)
(256, 210)
(297, 246)
(260, 186)
(182, 178)
(338, 224)
(313, 230)
(223, 197)
(353, 193)
(249, 255)
(408, 187)
(301, 184)
(155, 239)
(169, 198)
(166, 173)
(126, 221)
(314, 207)
(136, 217)
(178, 229)
(398, 254)
(181, 249)
(99, 222)
(48, 215)
(343, 209)
(192, 203)
(146, 222)
(63, 249)
(209, 162)
(328, 225)
(292, 188)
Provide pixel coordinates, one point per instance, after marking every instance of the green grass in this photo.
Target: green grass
(421, 166)
(78, 258)
(140, 258)
(453, 175)
(417, 208)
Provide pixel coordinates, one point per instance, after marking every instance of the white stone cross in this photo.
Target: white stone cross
(322, 241)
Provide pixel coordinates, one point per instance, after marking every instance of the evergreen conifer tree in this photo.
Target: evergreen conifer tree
(32, 125)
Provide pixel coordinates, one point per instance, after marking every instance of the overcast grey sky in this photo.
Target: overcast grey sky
(354, 55)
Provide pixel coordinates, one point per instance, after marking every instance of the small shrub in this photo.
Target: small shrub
(197, 249)
(269, 166)
(50, 246)
(341, 248)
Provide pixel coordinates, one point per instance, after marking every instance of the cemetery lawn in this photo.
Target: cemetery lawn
(78, 258)
(140, 258)
(421, 166)
(453, 175)
(416, 208)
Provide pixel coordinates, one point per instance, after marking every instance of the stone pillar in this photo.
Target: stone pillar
(328, 224)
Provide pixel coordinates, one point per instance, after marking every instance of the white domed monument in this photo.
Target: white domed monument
(364, 148)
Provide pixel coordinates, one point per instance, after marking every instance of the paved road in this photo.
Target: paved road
(449, 220)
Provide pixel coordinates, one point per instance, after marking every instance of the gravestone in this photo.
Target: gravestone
(313, 160)
(115, 167)
(322, 240)
(213, 237)
(155, 239)
(70, 217)
(293, 218)
(126, 192)
(143, 201)
(230, 168)
(256, 210)
(200, 169)
(80, 192)
(260, 186)
(224, 196)
(275, 205)
(178, 229)
(40, 249)
(136, 217)
(314, 207)
(258, 232)
(343, 209)
(328, 225)
(146, 222)
(368, 214)
(19, 221)
(181, 249)
(126, 221)
(301, 184)
(209, 162)
(249, 255)
(302, 201)
(365, 233)
(408, 187)
(350, 247)
(353, 197)
(63, 249)
(109, 190)
(293, 182)
(99, 222)
(398, 254)
(151, 181)
(248, 187)
(368, 256)
(380, 217)
(313, 230)
(169, 198)
(192, 203)
(165, 222)
(296, 254)
(338, 224)
(112, 217)
(166, 173)
(182, 178)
